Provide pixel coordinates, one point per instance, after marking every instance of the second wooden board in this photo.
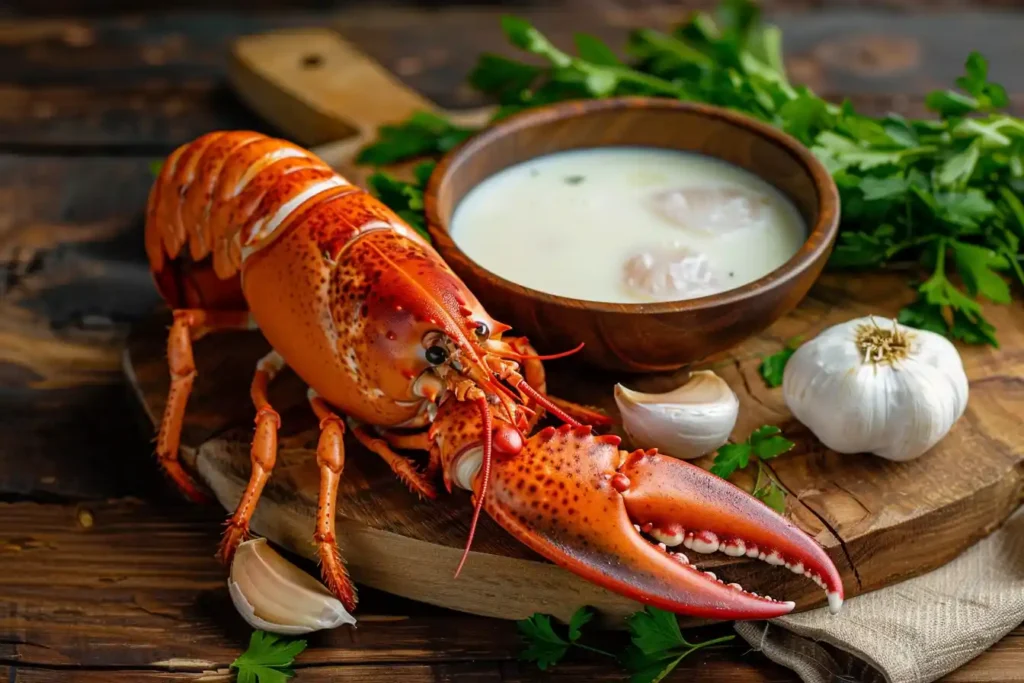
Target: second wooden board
(881, 522)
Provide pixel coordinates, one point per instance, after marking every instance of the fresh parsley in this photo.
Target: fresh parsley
(656, 643)
(423, 134)
(405, 199)
(545, 647)
(773, 366)
(945, 193)
(268, 659)
(764, 443)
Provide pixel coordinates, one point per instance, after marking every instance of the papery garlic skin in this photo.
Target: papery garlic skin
(274, 595)
(690, 421)
(897, 409)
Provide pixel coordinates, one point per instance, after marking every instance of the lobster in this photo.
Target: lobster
(245, 231)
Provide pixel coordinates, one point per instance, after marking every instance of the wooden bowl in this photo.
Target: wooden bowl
(640, 337)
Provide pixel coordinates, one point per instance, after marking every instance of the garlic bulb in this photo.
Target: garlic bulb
(687, 422)
(274, 595)
(874, 386)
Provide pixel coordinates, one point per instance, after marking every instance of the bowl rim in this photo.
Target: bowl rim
(819, 241)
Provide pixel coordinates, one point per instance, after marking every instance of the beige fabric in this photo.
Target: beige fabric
(913, 632)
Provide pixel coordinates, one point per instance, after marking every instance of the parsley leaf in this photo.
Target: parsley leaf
(977, 266)
(579, 619)
(268, 659)
(545, 647)
(975, 81)
(938, 295)
(765, 442)
(772, 366)
(655, 630)
(405, 199)
(731, 457)
(648, 669)
(594, 50)
(658, 645)
(423, 134)
(772, 495)
(769, 491)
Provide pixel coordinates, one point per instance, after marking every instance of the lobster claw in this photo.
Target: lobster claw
(576, 499)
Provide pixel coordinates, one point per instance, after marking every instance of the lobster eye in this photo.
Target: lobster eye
(482, 330)
(436, 355)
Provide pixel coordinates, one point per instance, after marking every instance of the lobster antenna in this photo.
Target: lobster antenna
(553, 356)
(548, 405)
(485, 415)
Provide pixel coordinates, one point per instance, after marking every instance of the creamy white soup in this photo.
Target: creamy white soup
(627, 225)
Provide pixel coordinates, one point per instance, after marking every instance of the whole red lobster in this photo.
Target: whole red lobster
(245, 231)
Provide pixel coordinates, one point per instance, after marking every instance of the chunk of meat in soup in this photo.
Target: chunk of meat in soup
(712, 210)
(670, 274)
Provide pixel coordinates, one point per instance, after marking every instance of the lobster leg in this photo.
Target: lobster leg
(417, 481)
(263, 455)
(330, 457)
(189, 325)
(420, 441)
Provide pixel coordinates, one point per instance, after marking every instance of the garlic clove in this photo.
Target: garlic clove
(274, 595)
(687, 422)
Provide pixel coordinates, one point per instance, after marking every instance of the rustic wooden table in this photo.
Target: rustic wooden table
(104, 574)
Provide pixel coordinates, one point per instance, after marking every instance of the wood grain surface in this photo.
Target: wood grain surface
(90, 92)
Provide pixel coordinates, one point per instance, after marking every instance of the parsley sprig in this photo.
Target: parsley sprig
(763, 444)
(545, 647)
(656, 646)
(268, 659)
(945, 193)
(405, 199)
(423, 134)
(773, 366)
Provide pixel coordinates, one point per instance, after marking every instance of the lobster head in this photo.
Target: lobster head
(617, 518)
(432, 334)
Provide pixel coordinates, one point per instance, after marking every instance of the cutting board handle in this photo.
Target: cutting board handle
(317, 87)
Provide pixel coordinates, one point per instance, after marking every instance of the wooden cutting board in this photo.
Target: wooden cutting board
(881, 522)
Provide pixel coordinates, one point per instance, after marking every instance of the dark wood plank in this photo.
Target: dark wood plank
(149, 118)
(701, 670)
(151, 83)
(125, 585)
(107, 7)
(72, 275)
(128, 585)
(126, 591)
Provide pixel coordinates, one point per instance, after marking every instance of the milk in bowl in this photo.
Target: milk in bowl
(627, 225)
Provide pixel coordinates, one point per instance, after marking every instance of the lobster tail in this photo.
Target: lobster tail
(213, 199)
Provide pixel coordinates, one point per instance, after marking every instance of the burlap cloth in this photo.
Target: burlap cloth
(912, 632)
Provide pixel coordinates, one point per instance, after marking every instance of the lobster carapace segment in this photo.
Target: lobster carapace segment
(245, 230)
